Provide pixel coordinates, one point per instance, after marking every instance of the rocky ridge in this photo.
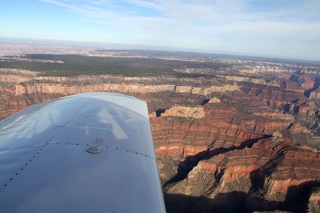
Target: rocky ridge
(251, 141)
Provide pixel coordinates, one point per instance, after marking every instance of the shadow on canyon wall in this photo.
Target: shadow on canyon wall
(259, 175)
(296, 201)
(191, 161)
(296, 198)
(316, 85)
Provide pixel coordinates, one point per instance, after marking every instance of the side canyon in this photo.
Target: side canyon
(243, 140)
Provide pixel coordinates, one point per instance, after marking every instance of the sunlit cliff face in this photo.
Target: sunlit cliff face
(229, 140)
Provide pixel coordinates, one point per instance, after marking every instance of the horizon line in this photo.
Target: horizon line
(122, 46)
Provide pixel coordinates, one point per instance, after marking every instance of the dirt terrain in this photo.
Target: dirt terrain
(239, 139)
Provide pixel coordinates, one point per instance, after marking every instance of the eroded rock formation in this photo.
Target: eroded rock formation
(224, 144)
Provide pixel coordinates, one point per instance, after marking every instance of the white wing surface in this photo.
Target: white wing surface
(83, 153)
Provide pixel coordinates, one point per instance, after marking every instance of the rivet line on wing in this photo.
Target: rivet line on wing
(130, 151)
(115, 148)
(23, 167)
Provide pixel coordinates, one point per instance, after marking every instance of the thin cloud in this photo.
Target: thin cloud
(219, 11)
(206, 23)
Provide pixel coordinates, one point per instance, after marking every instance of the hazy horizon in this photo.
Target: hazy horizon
(106, 46)
(287, 29)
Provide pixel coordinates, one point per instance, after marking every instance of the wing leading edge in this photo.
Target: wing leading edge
(46, 163)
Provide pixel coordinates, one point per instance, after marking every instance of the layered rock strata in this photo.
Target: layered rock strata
(240, 140)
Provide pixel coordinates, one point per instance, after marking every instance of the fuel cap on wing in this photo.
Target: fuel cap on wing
(93, 150)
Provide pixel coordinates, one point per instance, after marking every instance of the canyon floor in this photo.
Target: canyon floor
(231, 133)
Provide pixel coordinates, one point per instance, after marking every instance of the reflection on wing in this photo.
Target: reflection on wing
(83, 153)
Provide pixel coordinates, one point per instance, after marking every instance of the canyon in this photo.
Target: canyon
(240, 139)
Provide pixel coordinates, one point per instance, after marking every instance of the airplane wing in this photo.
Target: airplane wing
(83, 153)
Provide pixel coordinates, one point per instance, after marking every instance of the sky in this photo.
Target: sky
(273, 28)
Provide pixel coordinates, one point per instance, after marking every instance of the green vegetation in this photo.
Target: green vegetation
(86, 65)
